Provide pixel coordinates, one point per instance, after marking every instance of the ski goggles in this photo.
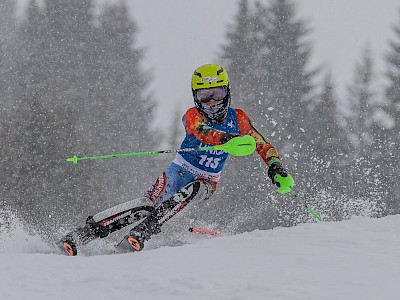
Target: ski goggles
(215, 93)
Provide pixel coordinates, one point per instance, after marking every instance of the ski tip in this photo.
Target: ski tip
(130, 243)
(135, 243)
(69, 248)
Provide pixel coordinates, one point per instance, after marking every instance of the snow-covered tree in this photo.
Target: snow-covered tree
(269, 58)
(76, 88)
(361, 97)
(392, 137)
(329, 146)
(7, 35)
(237, 54)
(122, 108)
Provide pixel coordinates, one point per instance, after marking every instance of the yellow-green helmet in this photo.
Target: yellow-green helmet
(211, 76)
(208, 76)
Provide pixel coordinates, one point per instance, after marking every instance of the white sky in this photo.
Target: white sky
(180, 35)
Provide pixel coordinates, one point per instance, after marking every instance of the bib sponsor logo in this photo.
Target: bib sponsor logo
(212, 152)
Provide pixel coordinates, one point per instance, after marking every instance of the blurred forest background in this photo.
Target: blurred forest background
(72, 82)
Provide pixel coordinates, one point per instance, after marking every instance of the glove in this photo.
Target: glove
(227, 136)
(280, 177)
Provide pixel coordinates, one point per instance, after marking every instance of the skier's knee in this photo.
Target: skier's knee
(206, 190)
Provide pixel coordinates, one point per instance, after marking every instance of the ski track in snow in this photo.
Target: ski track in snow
(355, 259)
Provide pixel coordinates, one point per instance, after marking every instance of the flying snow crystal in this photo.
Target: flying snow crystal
(270, 108)
(302, 130)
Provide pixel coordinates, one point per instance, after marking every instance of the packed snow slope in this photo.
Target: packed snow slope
(356, 259)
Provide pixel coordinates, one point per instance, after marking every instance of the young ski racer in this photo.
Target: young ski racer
(192, 176)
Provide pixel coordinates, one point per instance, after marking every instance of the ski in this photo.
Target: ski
(141, 212)
(105, 222)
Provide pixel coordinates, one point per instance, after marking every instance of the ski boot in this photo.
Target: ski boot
(105, 222)
(151, 225)
(134, 240)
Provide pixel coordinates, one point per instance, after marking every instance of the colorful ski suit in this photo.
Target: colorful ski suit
(205, 165)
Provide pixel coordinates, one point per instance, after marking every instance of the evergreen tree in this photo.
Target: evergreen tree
(36, 182)
(363, 129)
(7, 36)
(7, 20)
(30, 64)
(7, 25)
(361, 100)
(41, 129)
(277, 91)
(329, 147)
(69, 32)
(392, 139)
(122, 110)
(329, 150)
(286, 82)
(237, 54)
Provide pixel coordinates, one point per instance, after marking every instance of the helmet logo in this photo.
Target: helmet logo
(210, 79)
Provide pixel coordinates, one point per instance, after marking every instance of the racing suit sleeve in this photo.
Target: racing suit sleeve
(196, 124)
(263, 147)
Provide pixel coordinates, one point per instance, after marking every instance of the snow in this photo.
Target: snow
(355, 259)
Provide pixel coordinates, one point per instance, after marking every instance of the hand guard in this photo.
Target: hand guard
(280, 177)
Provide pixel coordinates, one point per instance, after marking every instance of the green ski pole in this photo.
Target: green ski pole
(315, 215)
(238, 146)
(286, 185)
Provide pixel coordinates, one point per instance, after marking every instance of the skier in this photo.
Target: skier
(192, 176)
